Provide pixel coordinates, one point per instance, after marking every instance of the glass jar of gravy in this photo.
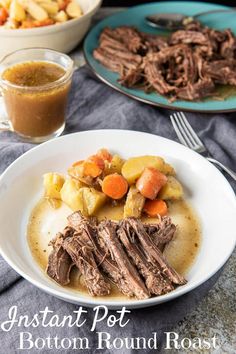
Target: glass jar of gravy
(35, 83)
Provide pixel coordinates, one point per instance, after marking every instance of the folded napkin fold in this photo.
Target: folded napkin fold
(93, 105)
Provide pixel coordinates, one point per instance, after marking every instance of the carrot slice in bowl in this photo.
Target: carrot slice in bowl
(150, 182)
(155, 207)
(115, 186)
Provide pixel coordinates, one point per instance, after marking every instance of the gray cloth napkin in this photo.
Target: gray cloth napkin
(93, 105)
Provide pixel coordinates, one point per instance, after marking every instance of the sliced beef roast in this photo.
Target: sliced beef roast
(81, 224)
(155, 282)
(107, 231)
(162, 232)
(82, 255)
(59, 261)
(153, 253)
(129, 253)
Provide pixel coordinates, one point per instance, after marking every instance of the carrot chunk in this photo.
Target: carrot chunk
(33, 24)
(91, 169)
(104, 154)
(155, 207)
(46, 22)
(63, 5)
(3, 15)
(115, 186)
(150, 182)
(98, 161)
(93, 166)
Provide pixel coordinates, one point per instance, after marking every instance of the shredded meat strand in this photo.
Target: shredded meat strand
(188, 65)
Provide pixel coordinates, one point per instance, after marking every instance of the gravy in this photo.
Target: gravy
(33, 109)
(33, 73)
(181, 252)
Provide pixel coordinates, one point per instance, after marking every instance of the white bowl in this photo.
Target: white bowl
(206, 189)
(61, 37)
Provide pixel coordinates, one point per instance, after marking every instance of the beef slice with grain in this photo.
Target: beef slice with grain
(107, 231)
(155, 282)
(59, 261)
(82, 255)
(88, 228)
(153, 253)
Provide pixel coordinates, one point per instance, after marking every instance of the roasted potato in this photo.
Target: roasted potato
(53, 183)
(168, 170)
(93, 199)
(72, 195)
(133, 167)
(54, 203)
(17, 11)
(50, 6)
(134, 203)
(36, 11)
(5, 3)
(171, 190)
(61, 16)
(77, 197)
(115, 166)
(76, 170)
(73, 9)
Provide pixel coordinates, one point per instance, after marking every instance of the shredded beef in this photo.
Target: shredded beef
(182, 66)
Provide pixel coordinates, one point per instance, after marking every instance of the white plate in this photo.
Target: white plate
(206, 189)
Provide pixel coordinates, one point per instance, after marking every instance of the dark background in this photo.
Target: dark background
(137, 2)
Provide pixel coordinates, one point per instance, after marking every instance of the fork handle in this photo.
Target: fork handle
(223, 167)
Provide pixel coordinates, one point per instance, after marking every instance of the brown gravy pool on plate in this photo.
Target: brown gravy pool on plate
(181, 252)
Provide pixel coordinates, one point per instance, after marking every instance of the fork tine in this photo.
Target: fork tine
(195, 137)
(185, 130)
(178, 129)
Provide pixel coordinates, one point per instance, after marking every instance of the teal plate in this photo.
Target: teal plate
(135, 16)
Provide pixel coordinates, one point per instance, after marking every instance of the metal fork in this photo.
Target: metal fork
(189, 138)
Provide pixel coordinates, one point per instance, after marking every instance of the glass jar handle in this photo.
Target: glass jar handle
(4, 122)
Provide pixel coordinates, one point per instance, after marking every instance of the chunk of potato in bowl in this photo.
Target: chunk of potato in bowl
(16, 14)
(58, 31)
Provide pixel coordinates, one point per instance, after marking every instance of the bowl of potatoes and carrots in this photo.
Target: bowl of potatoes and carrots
(53, 24)
(144, 184)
